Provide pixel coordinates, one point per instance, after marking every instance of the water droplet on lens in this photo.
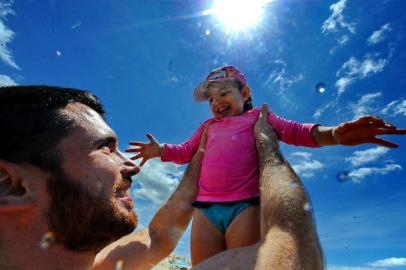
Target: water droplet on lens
(343, 176)
(293, 184)
(320, 87)
(119, 265)
(307, 207)
(47, 240)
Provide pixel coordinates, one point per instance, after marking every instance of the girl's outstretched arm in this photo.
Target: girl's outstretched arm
(146, 150)
(360, 131)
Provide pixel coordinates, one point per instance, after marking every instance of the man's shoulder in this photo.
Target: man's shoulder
(140, 242)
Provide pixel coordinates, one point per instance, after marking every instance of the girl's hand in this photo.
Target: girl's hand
(146, 150)
(365, 130)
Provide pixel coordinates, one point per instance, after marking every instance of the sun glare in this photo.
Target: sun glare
(238, 15)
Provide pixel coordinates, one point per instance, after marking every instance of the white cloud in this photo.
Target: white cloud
(362, 157)
(6, 34)
(390, 262)
(354, 69)
(305, 155)
(320, 111)
(359, 174)
(157, 181)
(396, 107)
(341, 42)
(76, 25)
(379, 35)
(365, 104)
(280, 78)
(343, 83)
(6, 80)
(307, 166)
(58, 53)
(344, 40)
(337, 20)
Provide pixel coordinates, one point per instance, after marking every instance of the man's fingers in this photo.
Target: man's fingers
(263, 115)
(203, 138)
(384, 143)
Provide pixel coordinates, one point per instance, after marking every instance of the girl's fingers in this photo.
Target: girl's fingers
(384, 143)
(396, 131)
(132, 150)
(136, 157)
(143, 162)
(136, 143)
(151, 138)
(370, 119)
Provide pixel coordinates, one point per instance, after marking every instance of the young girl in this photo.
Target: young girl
(227, 213)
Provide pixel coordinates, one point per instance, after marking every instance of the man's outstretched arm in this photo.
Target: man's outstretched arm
(288, 234)
(145, 248)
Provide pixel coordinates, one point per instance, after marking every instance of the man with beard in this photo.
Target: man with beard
(65, 202)
(64, 188)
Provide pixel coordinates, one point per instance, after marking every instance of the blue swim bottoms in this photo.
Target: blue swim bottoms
(221, 214)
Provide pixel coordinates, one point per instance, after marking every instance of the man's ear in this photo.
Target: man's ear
(13, 195)
(246, 92)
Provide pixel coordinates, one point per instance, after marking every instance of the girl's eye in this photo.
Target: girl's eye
(223, 94)
(210, 100)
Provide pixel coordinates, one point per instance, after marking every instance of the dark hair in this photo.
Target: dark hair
(248, 103)
(33, 123)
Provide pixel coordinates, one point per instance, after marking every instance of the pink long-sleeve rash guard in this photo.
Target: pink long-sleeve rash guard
(230, 164)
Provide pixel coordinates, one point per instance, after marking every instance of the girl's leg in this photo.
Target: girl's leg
(244, 229)
(206, 240)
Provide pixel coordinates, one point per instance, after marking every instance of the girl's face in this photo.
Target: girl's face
(225, 99)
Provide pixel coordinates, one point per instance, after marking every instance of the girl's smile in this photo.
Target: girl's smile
(225, 99)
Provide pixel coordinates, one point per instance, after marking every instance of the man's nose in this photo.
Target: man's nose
(129, 168)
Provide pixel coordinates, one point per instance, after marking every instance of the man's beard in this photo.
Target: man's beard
(82, 221)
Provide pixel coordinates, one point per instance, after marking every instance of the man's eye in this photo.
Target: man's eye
(108, 146)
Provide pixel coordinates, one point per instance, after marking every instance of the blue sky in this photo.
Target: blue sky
(144, 58)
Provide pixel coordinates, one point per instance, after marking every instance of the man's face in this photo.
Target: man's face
(90, 204)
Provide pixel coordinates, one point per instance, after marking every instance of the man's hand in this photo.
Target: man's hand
(266, 139)
(146, 150)
(365, 130)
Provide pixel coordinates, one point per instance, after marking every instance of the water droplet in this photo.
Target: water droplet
(119, 265)
(99, 186)
(293, 184)
(342, 176)
(320, 87)
(307, 207)
(47, 240)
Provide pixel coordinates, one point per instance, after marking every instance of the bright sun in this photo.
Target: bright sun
(238, 15)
